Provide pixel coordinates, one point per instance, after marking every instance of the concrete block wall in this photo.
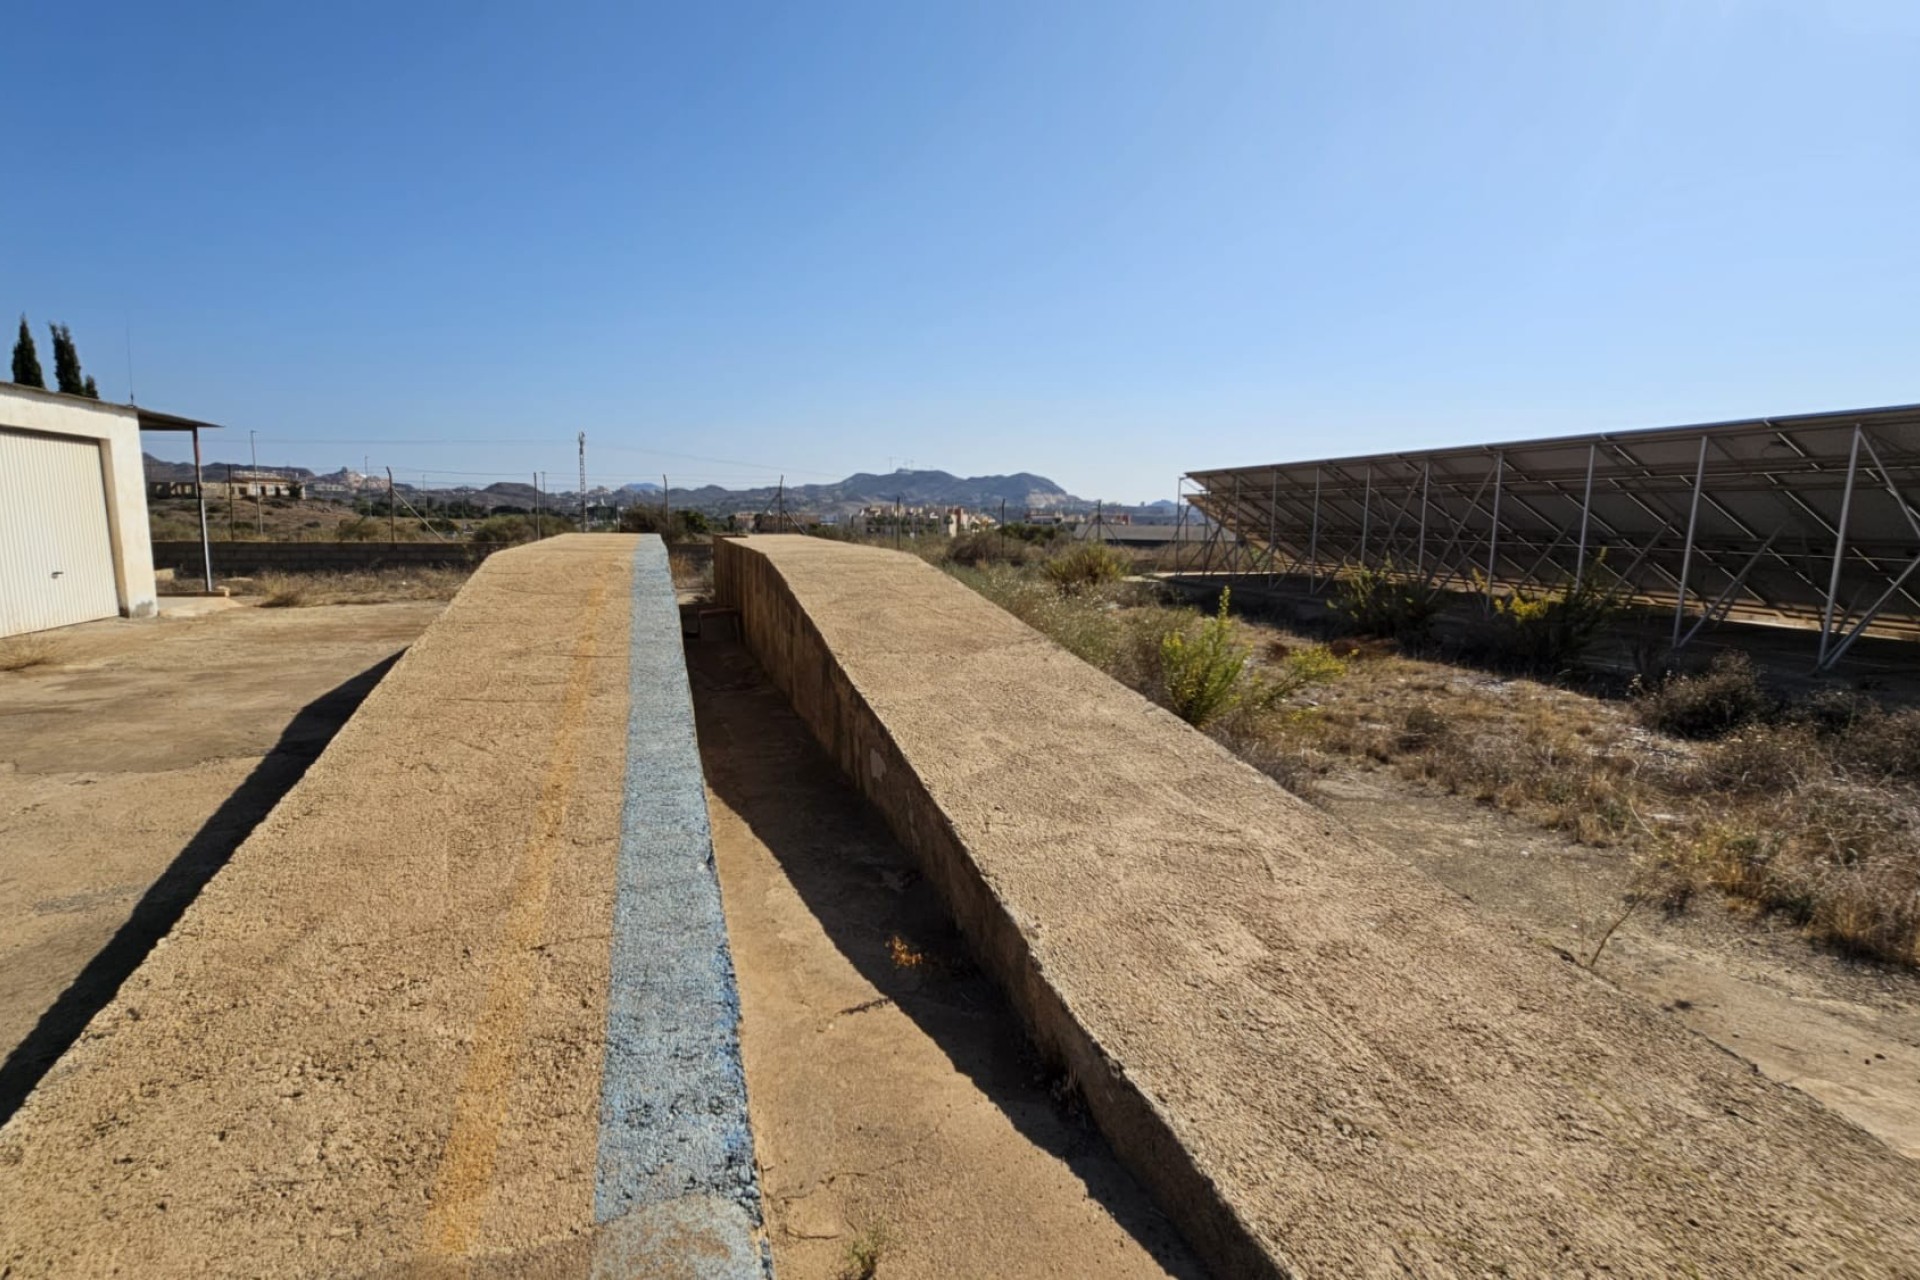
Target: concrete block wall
(240, 559)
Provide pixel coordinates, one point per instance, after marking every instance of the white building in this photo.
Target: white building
(74, 544)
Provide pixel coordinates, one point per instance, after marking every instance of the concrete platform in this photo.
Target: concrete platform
(1319, 1060)
(462, 1003)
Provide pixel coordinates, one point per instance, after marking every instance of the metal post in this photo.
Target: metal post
(1839, 548)
(1231, 564)
(1493, 526)
(1179, 522)
(1426, 487)
(1586, 510)
(259, 509)
(1686, 556)
(1366, 514)
(1273, 524)
(200, 491)
(1313, 539)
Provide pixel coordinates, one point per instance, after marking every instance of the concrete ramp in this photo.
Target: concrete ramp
(1320, 1061)
(462, 1004)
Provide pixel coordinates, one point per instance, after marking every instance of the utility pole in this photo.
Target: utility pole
(230, 503)
(393, 510)
(259, 511)
(536, 506)
(583, 482)
(1003, 528)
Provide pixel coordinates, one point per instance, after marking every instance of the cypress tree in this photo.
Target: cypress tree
(26, 361)
(90, 391)
(66, 362)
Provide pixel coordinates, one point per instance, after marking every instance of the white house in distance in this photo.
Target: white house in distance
(74, 544)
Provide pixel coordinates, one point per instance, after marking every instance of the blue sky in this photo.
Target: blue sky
(1102, 241)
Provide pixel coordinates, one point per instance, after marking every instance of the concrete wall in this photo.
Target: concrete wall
(791, 649)
(117, 428)
(239, 559)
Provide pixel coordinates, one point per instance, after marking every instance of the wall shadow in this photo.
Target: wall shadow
(889, 922)
(304, 738)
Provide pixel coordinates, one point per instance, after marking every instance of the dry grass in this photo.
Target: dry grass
(1810, 811)
(691, 572)
(360, 586)
(20, 653)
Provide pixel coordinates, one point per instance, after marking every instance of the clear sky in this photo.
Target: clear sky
(1102, 241)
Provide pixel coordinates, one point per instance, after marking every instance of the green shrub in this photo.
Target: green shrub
(1203, 675)
(1546, 629)
(1712, 704)
(1387, 602)
(1090, 564)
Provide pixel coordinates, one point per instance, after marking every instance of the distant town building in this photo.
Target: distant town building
(238, 484)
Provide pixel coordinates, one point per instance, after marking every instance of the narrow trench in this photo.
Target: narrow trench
(903, 1124)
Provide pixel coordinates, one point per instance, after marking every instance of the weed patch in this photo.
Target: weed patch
(20, 653)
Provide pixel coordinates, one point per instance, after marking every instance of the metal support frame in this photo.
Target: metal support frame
(1724, 601)
(1839, 552)
(1366, 516)
(1493, 529)
(1686, 557)
(1586, 516)
(1426, 491)
(1745, 532)
(200, 493)
(1313, 542)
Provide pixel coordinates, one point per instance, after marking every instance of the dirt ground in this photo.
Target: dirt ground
(898, 1114)
(131, 766)
(1846, 1032)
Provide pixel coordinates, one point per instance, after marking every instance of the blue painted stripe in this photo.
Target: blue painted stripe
(675, 1152)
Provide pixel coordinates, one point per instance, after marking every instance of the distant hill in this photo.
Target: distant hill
(1021, 492)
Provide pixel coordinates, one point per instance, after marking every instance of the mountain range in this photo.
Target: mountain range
(1022, 491)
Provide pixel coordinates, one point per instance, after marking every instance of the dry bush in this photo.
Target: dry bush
(359, 586)
(1712, 704)
(1879, 744)
(987, 546)
(285, 590)
(19, 653)
(691, 573)
(1086, 566)
(1841, 860)
(1763, 759)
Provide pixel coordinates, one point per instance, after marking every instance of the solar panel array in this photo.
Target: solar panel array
(1802, 520)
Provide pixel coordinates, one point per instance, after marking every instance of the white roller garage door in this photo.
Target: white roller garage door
(56, 559)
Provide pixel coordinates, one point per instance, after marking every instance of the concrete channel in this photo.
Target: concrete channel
(1318, 1060)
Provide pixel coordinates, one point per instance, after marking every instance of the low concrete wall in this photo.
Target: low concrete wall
(1319, 1061)
(461, 1005)
(789, 645)
(239, 559)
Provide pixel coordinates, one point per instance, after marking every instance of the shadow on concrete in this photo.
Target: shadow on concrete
(866, 892)
(304, 738)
